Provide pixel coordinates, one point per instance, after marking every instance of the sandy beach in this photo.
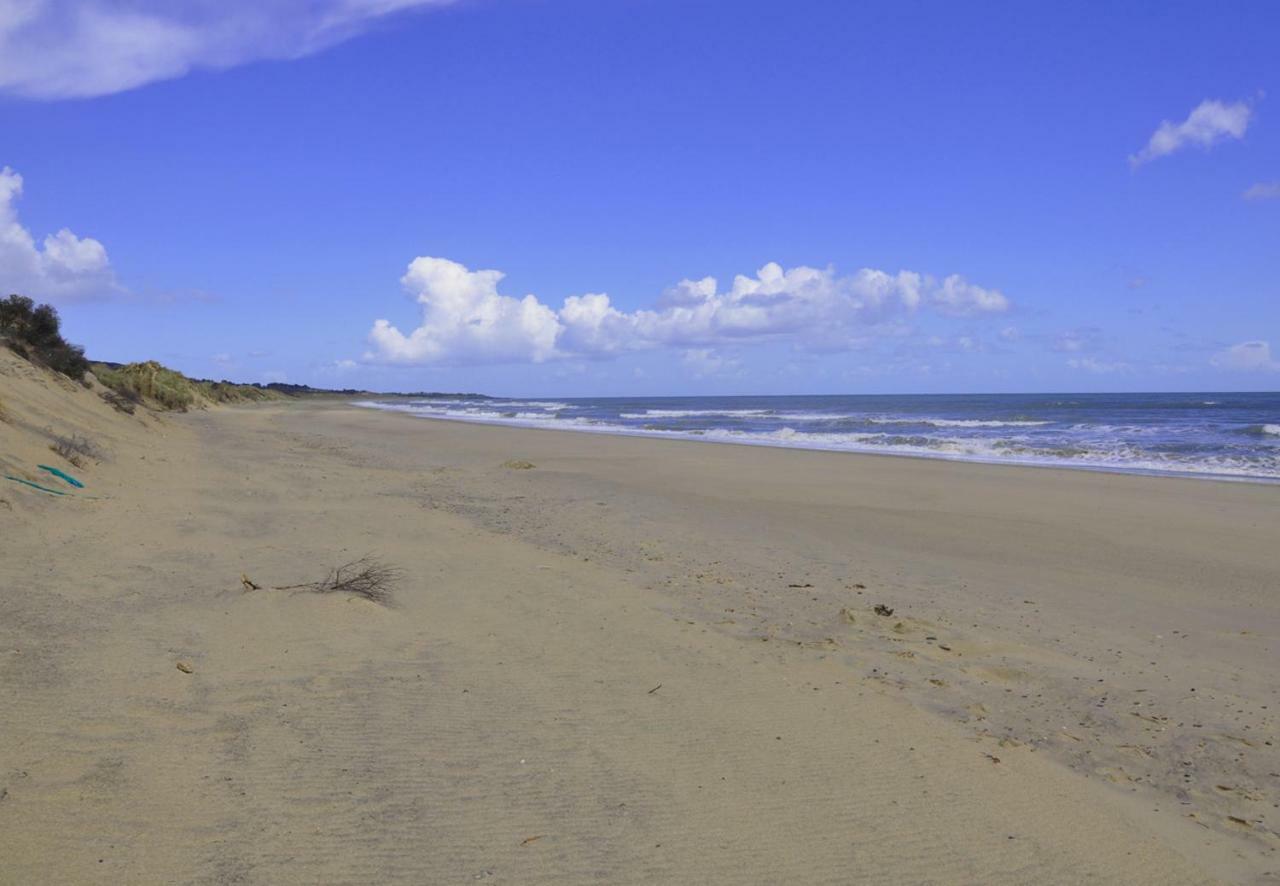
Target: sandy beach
(635, 661)
(576, 442)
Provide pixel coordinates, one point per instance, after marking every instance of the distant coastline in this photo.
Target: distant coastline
(296, 390)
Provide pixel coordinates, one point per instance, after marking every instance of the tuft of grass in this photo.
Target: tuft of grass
(76, 449)
(367, 577)
(4, 416)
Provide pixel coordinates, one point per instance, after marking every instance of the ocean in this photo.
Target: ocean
(1229, 436)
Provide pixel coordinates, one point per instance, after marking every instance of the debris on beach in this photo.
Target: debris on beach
(881, 609)
(249, 584)
(518, 464)
(367, 578)
(34, 485)
(186, 668)
(535, 838)
(61, 475)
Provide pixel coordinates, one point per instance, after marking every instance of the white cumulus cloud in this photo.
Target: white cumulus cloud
(1209, 122)
(465, 319)
(1249, 356)
(51, 49)
(60, 268)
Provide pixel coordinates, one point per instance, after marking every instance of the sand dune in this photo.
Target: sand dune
(637, 661)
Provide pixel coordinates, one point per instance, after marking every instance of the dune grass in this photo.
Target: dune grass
(167, 389)
(229, 392)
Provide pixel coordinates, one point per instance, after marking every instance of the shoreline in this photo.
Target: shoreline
(696, 437)
(653, 662)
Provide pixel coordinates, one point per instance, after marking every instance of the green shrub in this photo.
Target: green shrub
(34, 331)
(65, 358)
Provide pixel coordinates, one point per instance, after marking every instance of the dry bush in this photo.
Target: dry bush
(76, 449)
(367, 577)
(125, 401)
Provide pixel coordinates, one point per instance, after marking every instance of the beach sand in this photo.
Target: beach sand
(636, 661)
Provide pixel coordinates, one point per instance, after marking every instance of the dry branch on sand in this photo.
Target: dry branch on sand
(367, 577)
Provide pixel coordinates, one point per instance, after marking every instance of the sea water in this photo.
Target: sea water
(1211, 435)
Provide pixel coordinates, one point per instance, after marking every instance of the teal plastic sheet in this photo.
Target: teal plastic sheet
(34, 485)
(62, 475)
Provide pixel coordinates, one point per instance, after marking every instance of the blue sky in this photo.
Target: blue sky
(916, 196)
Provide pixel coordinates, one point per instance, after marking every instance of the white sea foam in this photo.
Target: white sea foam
(436, 402)
(831, 417)
(552, 405)
(958, 422)
(1100, 449)
(692, 413)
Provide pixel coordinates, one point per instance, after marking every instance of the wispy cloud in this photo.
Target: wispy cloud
(54, 49)
(61, 268)
(1249, 356)
(466, 320)
(1098, 367)
(707, 362)
(1209, 123)
(1263, 191)
(1082, 338)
